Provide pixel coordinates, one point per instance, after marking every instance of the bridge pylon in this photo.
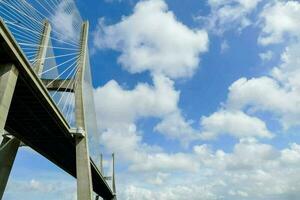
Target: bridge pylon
(83, 168)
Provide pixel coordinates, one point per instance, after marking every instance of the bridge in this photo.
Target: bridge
(46, 97)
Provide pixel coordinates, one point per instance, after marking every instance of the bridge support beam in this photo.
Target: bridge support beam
(84, 175)
(9, 146)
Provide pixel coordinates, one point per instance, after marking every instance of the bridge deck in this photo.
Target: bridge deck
(35, 119)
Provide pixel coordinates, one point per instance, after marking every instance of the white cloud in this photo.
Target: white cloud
(115, 104)
(133, 192)
(127, 143)
(252, 171)
(192, 192)
(119, 109)
(166, 163)
(289, 71)
(253, 91)
(251, 155)
(224, 46)
(266, 56)
(277, 93)
(247, 155)
(41, 188)
(247, 4)
(291, 155)
(256, 169)
(124, 141)
(159, 179)
(64, 21)
(152, 39)
(278, 20)
(235, 123)
(228, 14)
(174, 126)
(266, 94)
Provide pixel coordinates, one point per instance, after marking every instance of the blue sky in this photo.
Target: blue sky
(198, 99)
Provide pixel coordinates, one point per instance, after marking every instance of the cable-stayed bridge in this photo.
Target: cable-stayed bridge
(46, 92)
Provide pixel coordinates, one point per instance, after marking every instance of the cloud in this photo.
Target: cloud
(152, 39)
(278, 92)
(41, 188)
(119, 107)
(224, 46)
(251, 91)
(65, 20)
(168, 193)
(129, 147)
(278, 20)
(266, 56)
(166, 163)
(159, 179)
(119, 110)
(229, 14)
(247, 155)
(235, 123)
(252, 170)
(174, 126)
(268, 95)
(288, 72)
(250, 166)
(113, 103)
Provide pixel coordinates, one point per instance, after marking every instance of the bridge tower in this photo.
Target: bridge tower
(83, 168)
(84, 178)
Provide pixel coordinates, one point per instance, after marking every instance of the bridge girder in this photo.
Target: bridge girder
(60, 85)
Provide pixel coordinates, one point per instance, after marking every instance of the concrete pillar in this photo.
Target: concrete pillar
(9, 147)
(40, 57)
(8, 151)
(83, 168)
(113, 177)
(8, 80)
(101, 163)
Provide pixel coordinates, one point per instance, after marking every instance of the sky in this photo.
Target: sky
(197, 99)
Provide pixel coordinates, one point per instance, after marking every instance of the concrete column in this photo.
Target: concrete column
(9, 147)
(83, 168)
(8, 152)
(113, 177)
(45, 38)
(101, 163)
